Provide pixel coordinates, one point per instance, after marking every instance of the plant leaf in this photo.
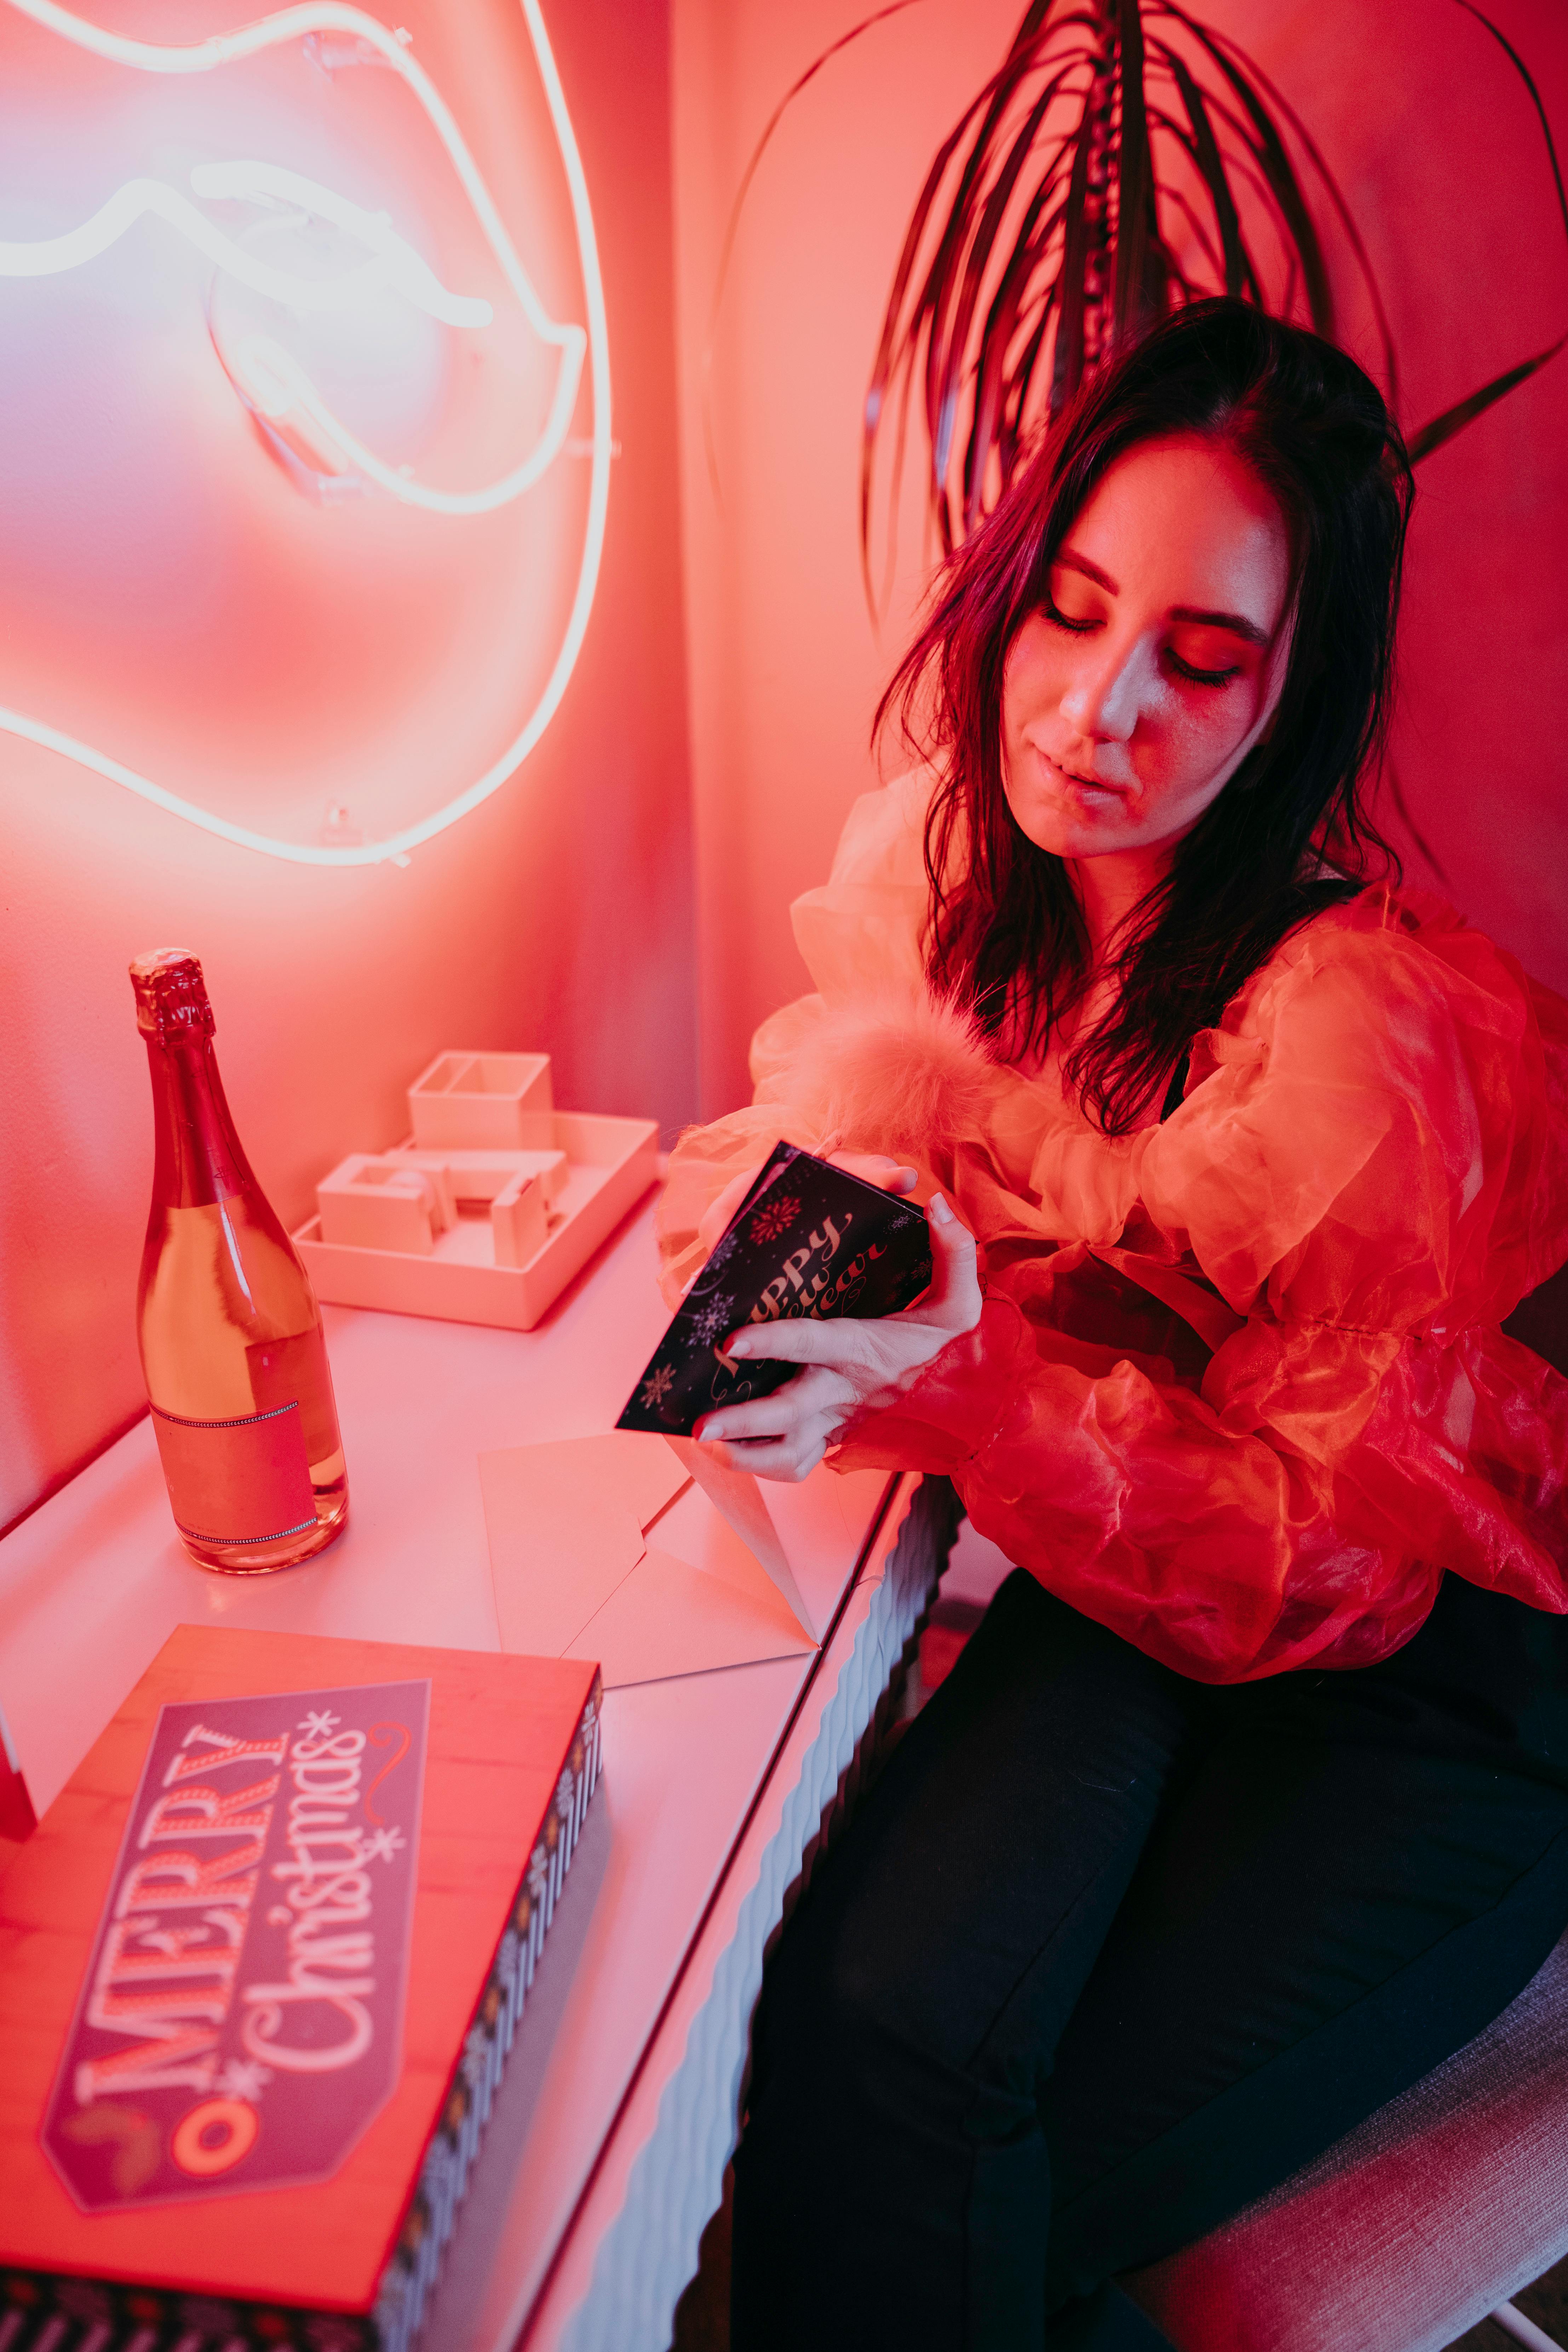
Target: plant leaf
(1015, 428)
(1130, 305)
(1525, 76)
(1269, 149)
(990, 421)
(1453, 420)
(979, 255)
(1239, 271)
(946, 274)
(896, 348)
(974, 329)
(949, 282)
(1067, 368)
(1346, 218)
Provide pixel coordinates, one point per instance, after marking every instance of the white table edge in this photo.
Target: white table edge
(632, 2244)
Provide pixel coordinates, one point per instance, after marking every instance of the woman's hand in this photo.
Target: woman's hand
(850, 1366)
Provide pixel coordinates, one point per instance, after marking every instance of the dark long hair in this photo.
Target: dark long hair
(1007, 937)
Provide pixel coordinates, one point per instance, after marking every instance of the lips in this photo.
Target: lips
(1096, 785)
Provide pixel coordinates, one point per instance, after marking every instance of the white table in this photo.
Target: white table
(603, 2155)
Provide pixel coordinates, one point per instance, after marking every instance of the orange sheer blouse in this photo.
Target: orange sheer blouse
(1238, 1391)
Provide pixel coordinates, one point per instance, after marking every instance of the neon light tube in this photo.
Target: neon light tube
(392, 263)
(272, 376)
(396, 264)
(278, 386)
(294, 24)
(274, 379)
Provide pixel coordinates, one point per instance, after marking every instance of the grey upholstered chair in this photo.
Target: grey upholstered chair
(1439, 2208)
(1433, 2214)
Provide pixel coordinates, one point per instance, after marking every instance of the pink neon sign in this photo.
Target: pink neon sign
(312, 287)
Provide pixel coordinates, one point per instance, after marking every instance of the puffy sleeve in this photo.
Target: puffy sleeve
(1368, 1172)
(861, 936)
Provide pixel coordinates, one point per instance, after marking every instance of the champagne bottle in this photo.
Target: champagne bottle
(230, 1333)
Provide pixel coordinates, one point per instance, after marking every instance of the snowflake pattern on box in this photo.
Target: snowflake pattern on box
(808, 1240)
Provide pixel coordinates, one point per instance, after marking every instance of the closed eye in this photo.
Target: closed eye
(1201, 676)
(1080, 626)
(1065, 620)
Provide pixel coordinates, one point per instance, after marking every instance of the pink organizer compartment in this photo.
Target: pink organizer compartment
(372, 1201)
(475, 1101)
(474, 1232)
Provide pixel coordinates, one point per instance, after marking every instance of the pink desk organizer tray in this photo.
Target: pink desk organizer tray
(490, 1208)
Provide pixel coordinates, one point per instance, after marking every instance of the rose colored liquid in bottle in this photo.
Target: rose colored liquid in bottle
(229, 1330)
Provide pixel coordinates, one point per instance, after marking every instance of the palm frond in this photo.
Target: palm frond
(1442, 428)
(1123, 159)
(1433, 435)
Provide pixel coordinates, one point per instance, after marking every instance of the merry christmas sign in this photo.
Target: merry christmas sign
(240, 2020)
(209, 1984)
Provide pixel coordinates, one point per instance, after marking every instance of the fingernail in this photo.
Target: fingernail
(940, 1210)
(701, 1433)
(738, 1346)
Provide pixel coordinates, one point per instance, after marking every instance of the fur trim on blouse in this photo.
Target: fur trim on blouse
(907, 1075)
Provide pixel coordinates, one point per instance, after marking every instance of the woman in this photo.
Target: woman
(1248, 1803)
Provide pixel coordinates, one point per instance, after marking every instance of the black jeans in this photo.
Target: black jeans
(1105, 1954)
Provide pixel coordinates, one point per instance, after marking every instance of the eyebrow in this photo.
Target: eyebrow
(1235, 622)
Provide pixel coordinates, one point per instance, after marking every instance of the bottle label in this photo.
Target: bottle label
(286, 1371)
(237, 1482)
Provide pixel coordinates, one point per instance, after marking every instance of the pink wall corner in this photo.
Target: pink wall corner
(558, 915)
(1433, 140)
(785, 665)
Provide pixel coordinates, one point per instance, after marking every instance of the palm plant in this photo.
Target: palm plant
(1124, 158)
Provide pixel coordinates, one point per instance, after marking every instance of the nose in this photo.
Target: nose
(1105, 697)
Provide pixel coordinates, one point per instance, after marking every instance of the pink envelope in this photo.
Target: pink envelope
(652, 1560)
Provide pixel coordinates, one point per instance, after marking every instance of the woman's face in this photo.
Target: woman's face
(1137, 691)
